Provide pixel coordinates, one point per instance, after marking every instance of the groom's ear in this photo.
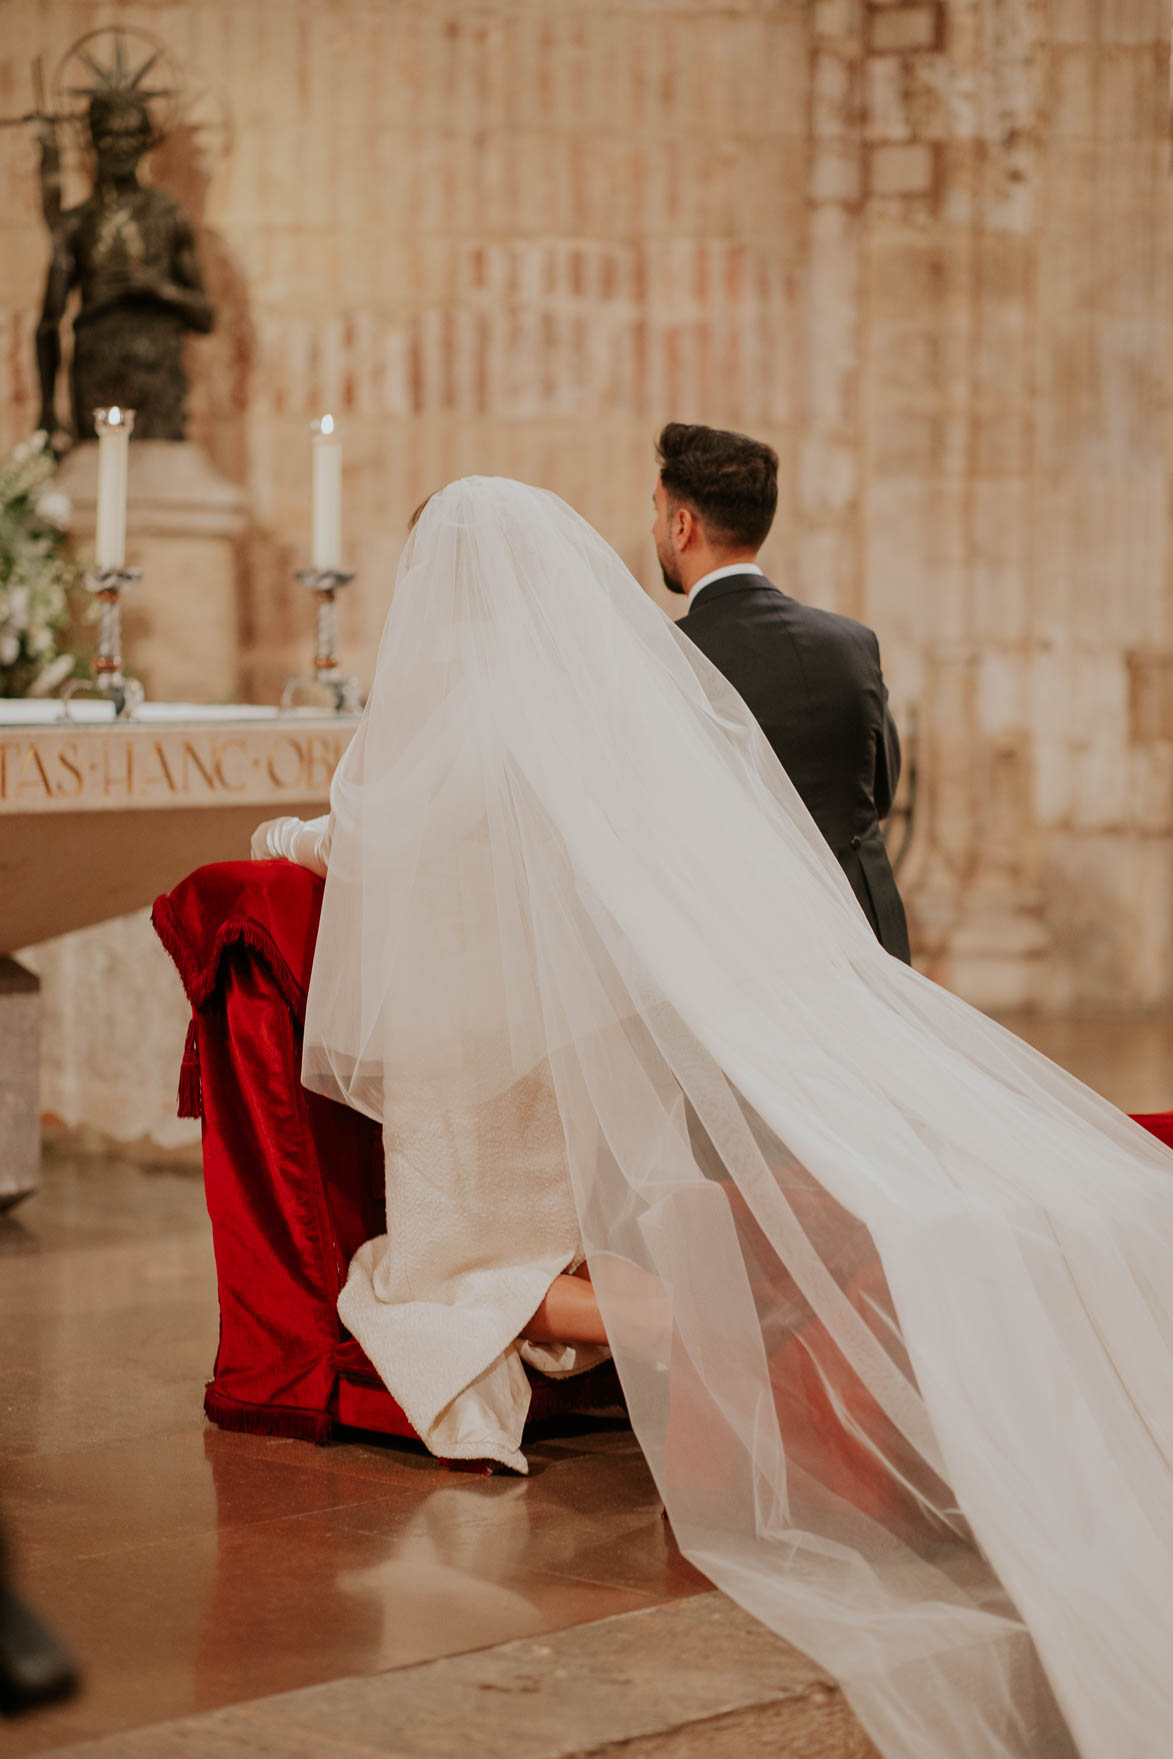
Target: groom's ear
(686, 527)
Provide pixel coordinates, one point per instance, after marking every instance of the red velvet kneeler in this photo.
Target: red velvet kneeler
(294, 1182)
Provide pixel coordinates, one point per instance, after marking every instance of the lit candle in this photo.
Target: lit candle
(327, 529)
(113, 428)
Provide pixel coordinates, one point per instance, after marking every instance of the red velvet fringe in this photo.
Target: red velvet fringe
(199, 981)
(285, 1420)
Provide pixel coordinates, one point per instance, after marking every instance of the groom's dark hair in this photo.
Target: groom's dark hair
(728, 480)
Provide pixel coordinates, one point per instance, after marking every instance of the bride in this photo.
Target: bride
(888, 1292)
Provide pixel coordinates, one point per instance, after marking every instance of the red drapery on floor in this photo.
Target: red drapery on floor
(294, 1182)
(1159, 1124)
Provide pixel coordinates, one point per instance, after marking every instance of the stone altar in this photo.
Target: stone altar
(95, 820)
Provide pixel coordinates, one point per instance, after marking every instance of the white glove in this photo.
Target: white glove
(269, 841)
(305, 841)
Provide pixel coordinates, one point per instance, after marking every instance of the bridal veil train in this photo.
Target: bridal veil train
(889, 1293)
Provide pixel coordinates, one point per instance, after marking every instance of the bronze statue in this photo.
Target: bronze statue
(130, 251)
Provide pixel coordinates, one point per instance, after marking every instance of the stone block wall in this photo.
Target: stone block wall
(1015, 467)
(921, 246)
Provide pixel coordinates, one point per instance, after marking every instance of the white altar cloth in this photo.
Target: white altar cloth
(48, 711)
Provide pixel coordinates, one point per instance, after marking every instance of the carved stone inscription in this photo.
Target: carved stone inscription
(75, 769)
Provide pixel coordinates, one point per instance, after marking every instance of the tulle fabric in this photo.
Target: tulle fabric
(888, 1292)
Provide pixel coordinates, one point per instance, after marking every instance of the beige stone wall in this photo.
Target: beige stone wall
(1014, 466)
(919, 245)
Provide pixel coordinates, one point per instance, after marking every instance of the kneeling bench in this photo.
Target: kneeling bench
(294, 1182)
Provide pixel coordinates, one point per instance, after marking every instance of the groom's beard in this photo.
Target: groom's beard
(672, 581)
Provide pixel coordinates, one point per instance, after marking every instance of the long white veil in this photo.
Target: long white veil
(890, 1295)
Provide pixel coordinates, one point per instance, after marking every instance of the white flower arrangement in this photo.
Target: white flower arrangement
(37, 574)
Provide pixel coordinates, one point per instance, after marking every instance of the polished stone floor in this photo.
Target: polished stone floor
(192, 1569)
(1126, 1057)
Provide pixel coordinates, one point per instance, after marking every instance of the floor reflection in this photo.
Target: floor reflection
(190, 1568)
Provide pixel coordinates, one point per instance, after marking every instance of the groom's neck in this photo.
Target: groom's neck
(695, 568)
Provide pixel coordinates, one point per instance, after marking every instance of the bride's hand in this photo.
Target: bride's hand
(304, 842)
(266, 844)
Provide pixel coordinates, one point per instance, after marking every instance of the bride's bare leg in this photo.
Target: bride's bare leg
(568, 1315)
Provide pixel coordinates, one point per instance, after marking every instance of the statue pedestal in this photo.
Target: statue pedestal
(989, 946)
(20, 1082)
(180, 622)
(997, 953)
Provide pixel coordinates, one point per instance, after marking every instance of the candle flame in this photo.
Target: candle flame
(326, 425)
(114, 417)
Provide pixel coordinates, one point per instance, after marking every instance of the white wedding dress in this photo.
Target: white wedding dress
(889, 1294)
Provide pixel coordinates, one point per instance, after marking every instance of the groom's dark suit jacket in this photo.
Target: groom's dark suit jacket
(813, 682)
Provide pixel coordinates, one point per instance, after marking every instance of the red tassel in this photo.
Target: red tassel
(191, 1092)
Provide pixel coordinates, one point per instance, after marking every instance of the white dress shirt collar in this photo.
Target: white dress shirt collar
(719, 574)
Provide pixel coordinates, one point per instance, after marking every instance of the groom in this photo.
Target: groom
(811, 678)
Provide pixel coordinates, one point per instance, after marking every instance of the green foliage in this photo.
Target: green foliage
(40, 586)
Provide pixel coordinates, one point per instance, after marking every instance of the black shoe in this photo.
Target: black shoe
(35, 1668)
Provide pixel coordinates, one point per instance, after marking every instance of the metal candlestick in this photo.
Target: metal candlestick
(107, 586)
(325, 584)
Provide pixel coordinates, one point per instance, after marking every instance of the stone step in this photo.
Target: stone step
(692, 1679)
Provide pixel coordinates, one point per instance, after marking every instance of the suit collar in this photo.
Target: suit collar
(720, 589)
(721, 573)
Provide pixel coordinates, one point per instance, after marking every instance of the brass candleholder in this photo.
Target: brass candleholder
(326, 680)
(127, 694)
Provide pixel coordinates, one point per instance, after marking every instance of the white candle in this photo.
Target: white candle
(113, 427)
(327, 529)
